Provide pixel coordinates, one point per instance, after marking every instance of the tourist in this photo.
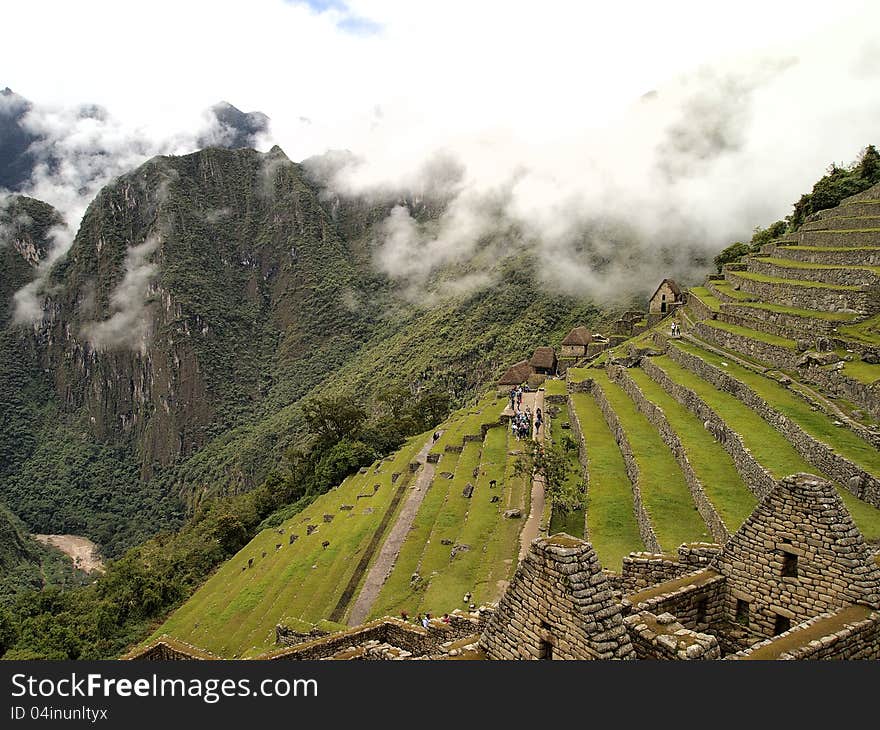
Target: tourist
(445, 618)
(425, 620)
(404, 616)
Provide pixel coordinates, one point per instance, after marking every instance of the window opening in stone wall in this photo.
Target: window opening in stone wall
(545, 647)
(742, 612)
(789, 565)
(783, 624)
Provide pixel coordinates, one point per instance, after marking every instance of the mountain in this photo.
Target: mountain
(203, 298)
(234, 128)
(16, 160)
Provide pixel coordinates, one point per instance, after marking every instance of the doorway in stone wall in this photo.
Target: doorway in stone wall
(546, 641)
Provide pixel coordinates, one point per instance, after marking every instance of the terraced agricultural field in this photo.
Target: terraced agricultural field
(562, 442)
(611, 522)
(664, 491)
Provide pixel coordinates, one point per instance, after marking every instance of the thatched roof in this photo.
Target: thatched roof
(578, 336)
(544, 357)
(516, 374)
(676, 290)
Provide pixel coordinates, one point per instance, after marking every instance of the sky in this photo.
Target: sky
(541, 107)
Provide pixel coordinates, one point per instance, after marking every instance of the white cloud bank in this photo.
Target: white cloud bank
(538, 107)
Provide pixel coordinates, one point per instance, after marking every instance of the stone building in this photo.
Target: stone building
(517, 374)
(664, 300)
(576, 343)
(543, 362)
(796, 581)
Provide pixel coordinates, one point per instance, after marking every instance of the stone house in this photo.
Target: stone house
(543, 362)
(576, 343)
(667, 296)
(517, 374)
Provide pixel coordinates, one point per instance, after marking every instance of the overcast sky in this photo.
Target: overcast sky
(540, 99)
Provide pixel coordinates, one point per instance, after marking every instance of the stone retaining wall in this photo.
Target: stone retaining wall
(843, 257)
(833, 381)
(785, 324)
(643, 519)
(855, 640)
(755, 476)
(775, 355)
(854, 209)
(817, 453)
(847, 222)
(697, 308)
(583, 458)
(655, 415)
(838, 277)
(840, 238)
(804, 297)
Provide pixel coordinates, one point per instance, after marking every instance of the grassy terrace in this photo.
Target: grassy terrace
(815, 423)
(767, 445)
(446, 514)
(234, 613)
(861, 371)
(554, 387)
(867, 332)
(791, 282)
(664, 491)
(469, 421)
(812, 313)
(726, 287)
(611, 521)
(752, 334)
(792, 264)
(571, 522)
(848, 249)
(711, 463)
(706, 297)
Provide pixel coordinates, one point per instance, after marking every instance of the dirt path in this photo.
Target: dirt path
(532, 526)
(387, 557)
(83, 551)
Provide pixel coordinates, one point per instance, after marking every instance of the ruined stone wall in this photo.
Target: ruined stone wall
(646, 528)
(697, 600)
(855, 640)
(804, 297)
(833, 381)
(755, 476)
(558, 605)
(781, 357)
(655, 415)
(663, 637)
(804, 521)
(641, 570)
(820, 455)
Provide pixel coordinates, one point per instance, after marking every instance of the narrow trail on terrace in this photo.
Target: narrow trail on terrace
(387, 557)
(532, 525)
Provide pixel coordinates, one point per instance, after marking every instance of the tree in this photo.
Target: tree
(734, 252)
(869, 164)
(332, 419)
(555, 470)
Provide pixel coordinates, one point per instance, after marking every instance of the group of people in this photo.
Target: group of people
(675, 329)
(521, 423)
(424, 620)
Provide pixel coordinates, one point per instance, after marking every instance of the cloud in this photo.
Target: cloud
(549, 138)
(130, 324)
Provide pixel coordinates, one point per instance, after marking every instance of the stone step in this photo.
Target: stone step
(836, 256)
(842, 238)
(803, 294)
(826, 274)
(842, 223)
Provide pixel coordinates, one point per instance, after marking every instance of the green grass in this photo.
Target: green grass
(769, 447)
(579, 375)
(554, 387)
(861, 371)
(234, 613)
(726, 287)
(811, 313)
(752, 334)
(611, 522)
(867, 332)
(831, 248)
(815, 423)
(791, 282)
(664, 491)
(469, 422)
(706, 297)
(792, 264)
(711, 463)
(570, 522)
